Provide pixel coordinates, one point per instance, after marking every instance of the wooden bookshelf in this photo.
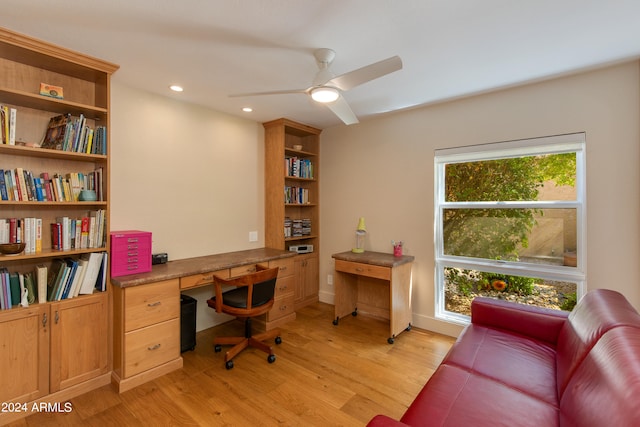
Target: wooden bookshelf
(287, 139)
(53, 351)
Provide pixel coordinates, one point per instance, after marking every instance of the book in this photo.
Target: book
(12, 126)
(72, 264)
(82, 271)
(41, 279)
(57, 271)
(54, 137)
(14, 290)
(94, 260)
(3, 186)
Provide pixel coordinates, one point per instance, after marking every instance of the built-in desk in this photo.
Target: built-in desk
(146, 320)
(374, 283)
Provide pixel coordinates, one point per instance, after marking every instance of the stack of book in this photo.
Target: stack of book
(298, 168)
(288, 227)
(79, 233)
(67, 134)
(7, 125)
(296, 195)
(23, 185)
(22, 230)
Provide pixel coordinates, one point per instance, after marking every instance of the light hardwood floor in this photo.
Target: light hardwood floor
(324, 375)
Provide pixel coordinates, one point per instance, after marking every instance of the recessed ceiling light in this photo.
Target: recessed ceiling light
(176, 88)
(247, 109)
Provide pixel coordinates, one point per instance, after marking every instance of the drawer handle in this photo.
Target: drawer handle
(283, 288)
(154, 304)
(359, 269)
(283, 307)
(155, 347)
(283, 268)
(207, 278)
(132, 267)
(132, 239)
(133, 253)
(132, 259)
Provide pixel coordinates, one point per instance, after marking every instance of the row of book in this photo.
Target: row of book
(298, 168)
(87, 232)
(296, 195)
(23, 185)
(297, 227)
(73, 134)
(67, 278)
(8, 125)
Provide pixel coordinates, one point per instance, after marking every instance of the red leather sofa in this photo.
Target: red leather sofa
(519, 365)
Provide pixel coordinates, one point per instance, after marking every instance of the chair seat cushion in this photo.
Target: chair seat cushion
(237, 298)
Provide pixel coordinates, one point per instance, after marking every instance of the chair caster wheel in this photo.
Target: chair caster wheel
(408, 327)
(354, 313)
(229, 364)
(217, 348)
(390, 340)
(278, 340)
(335, 321)
(271, 358)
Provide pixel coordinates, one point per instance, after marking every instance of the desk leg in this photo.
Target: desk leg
(400, 300)
(346, 296)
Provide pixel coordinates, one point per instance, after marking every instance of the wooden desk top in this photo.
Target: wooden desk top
(375, 258)
(199, 265)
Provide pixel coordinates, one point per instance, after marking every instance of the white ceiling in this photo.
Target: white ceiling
(449, 48)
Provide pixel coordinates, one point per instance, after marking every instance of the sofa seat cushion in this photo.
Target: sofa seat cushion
(519, 362)
(458, 397)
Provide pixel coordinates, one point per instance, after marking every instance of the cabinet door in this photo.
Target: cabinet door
(307, 280)
(24, 353)
(79, 345)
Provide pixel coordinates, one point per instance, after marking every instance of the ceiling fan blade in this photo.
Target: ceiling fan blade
(367, 73)
(341, 108)
(273, 92)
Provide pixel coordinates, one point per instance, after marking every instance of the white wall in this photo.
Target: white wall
(191, 176)
(382, 169)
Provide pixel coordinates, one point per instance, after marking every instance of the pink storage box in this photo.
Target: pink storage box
(130, 252)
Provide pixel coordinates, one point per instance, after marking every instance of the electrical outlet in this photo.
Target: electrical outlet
(253, 236)
(330, 279)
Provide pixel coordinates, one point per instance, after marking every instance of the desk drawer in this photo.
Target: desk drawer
(360, 269)
(202, 279)
(150, 347)
(152, 303)
(285, 286)
(281, 307)
(242, 270)
(285, 265)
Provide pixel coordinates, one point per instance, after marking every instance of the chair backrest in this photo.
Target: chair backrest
(253, 291)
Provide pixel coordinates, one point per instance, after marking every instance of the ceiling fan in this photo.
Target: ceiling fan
(327, 88)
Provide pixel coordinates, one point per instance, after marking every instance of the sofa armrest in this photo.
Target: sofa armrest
(537, 322)
(384, 421)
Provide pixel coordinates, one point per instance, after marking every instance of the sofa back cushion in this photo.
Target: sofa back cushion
(597, 312)
(604, 389)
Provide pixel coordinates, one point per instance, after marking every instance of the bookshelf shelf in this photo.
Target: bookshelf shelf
(71, 341)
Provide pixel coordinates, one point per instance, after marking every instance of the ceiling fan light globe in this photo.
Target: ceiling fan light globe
(324, 94)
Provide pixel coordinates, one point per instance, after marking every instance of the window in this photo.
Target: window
(510, 223)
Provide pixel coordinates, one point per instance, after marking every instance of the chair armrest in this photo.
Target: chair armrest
(536, 322)
(384, 421)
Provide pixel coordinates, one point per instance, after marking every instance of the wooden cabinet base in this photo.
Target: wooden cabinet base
(124, 384)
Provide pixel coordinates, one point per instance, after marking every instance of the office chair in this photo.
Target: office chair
(252, 296)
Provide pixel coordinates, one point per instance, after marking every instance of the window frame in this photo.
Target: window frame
(557, 144)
